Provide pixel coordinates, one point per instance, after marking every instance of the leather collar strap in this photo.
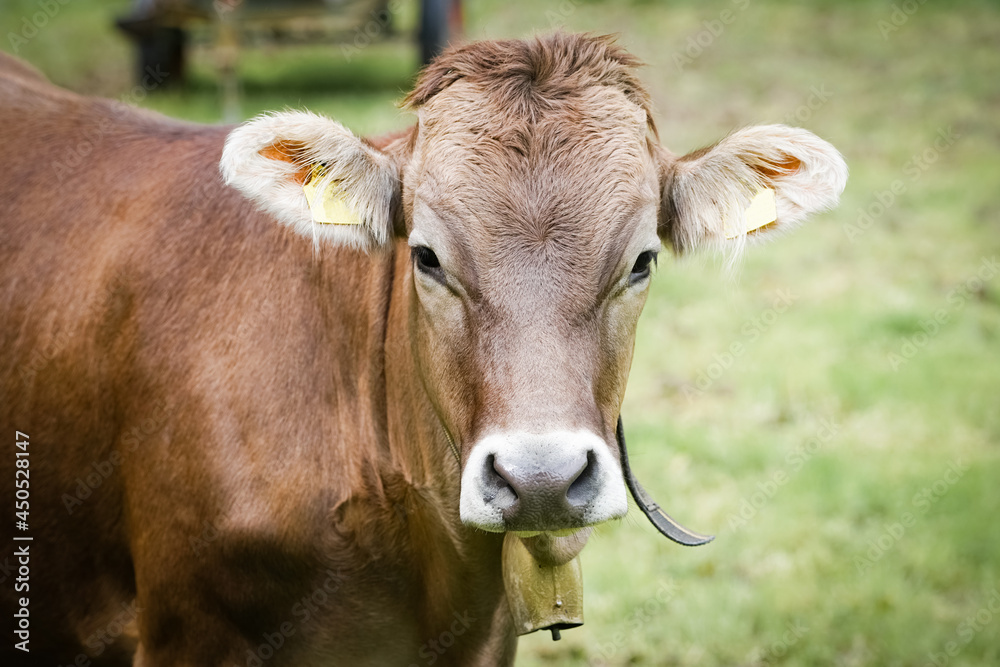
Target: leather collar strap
(451, 445)
(663, 523)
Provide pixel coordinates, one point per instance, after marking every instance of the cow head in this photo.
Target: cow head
(534, 197)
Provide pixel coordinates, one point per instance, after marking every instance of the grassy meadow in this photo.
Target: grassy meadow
(831, 411)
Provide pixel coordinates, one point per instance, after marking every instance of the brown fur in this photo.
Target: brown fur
(527, 78)
(241, 377)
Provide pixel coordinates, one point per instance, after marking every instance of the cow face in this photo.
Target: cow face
(533, 246)
(534, 198)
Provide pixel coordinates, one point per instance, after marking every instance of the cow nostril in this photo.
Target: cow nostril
(583, 489)
(499, 491)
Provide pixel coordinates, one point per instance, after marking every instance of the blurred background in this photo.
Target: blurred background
(832, 412)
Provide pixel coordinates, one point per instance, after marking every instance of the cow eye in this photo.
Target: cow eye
(427, 261)
(642, 267)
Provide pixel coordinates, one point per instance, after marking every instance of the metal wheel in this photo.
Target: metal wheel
(440, 21)
(159, 48)
(162, 51)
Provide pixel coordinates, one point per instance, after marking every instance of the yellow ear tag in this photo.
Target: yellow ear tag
(760, 213)
(327, 205)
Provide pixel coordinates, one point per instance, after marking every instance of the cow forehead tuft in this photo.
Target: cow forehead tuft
(525, 77)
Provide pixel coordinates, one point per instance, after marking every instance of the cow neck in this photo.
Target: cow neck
(462, 564)
(418, 444)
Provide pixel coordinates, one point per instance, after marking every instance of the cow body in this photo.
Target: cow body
(233, 383)
(239, 429)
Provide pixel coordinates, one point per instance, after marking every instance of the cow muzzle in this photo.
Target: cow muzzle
(541, 482)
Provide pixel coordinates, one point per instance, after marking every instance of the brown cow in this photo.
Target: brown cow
(240, 422)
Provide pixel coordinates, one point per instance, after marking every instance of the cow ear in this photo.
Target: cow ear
(275, 159)
(755, 182)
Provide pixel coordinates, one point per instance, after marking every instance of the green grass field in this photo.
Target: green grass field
(847, 454)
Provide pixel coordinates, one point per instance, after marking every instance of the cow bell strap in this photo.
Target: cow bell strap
(451, 445)
(660, 519)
